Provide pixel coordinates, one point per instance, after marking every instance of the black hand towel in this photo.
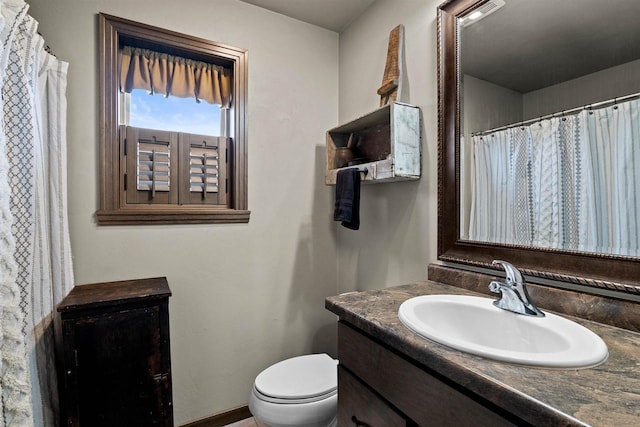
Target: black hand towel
(347, 207)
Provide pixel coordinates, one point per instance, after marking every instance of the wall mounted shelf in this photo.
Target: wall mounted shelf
(387, 141)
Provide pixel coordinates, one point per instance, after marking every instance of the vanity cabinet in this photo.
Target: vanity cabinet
(406, 393)
(386, 143)
(113, 347)
(360, 406)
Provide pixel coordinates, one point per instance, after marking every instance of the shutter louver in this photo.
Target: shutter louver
(204, 172)
(204, 169)
(152, 165)
(153, 171)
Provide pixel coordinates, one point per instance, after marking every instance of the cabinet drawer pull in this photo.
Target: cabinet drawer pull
(160, 377)
(359, 423)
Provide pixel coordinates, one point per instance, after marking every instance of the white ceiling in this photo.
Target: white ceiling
(333, 15)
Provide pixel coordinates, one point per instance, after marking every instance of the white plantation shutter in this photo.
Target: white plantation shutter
(205, 174)
(152, 159)
(171, 168)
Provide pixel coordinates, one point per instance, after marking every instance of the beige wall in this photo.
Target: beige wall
(244, 296)
(595, 87)
(398, 221)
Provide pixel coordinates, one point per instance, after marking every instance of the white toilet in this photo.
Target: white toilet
(301, 391)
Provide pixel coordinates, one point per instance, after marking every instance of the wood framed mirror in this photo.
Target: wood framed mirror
(590, 269)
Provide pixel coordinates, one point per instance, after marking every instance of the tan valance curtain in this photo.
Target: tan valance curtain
(172, 75)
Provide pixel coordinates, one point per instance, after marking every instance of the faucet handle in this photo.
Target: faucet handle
(513, 274)
(495, 287)
(514, 295)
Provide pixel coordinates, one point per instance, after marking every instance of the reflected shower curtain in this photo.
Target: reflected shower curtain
(565, 182)
(35, 257)
(613, 206)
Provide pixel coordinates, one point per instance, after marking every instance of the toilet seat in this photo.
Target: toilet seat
(301, 379)
(270, 399)
(301, 391)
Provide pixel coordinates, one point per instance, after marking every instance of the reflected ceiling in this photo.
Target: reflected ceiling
(599, 35)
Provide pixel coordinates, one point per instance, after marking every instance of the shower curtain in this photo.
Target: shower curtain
(35, 257)
(565, 182)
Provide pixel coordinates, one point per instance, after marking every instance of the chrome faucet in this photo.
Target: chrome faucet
(514, 292)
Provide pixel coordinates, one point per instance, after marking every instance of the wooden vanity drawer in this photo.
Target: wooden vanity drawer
(358, 405)
(419, 395)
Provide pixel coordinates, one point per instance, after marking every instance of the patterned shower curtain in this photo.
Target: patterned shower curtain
(613, 208)
(35, 257)
(565, 182)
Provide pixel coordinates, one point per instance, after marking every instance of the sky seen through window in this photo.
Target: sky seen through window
(173, 114)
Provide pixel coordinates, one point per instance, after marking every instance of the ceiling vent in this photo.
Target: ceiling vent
(481, 12)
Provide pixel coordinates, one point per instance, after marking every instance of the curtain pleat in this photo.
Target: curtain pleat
(52, 278)
(35, 258)
(15, 386)
(161, 69)
(166, 74)
(612, 190)
(572, 183)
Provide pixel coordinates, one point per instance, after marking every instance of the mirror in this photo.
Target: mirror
(539, 138)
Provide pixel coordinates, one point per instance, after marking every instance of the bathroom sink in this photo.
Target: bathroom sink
(474, 325)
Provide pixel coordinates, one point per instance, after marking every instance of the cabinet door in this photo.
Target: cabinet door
(416, 392)
(360, 406)
(120, 379)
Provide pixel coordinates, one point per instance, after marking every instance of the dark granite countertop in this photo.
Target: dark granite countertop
(607, 395)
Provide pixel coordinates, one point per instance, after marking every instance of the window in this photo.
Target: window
(159, 167)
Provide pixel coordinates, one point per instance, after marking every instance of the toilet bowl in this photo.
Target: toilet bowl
(301, 391)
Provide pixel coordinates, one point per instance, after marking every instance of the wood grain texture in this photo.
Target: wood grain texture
(391, 89)
(234, 417)
(389, 138)
(114, 293)
(424, 398)
(358, 405)
(115, 362)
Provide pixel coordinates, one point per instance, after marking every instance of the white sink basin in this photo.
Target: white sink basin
(475, 325)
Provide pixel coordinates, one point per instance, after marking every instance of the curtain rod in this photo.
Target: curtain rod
(562, 113)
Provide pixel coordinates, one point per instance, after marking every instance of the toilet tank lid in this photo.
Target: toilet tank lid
(300, 377)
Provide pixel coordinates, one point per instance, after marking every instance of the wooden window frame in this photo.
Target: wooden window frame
(114, 209)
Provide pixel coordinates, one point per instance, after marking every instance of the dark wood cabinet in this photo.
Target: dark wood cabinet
(406, 393)
(361, 406)
(113, 348)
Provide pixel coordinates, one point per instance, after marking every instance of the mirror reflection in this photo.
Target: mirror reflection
(550, 146)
